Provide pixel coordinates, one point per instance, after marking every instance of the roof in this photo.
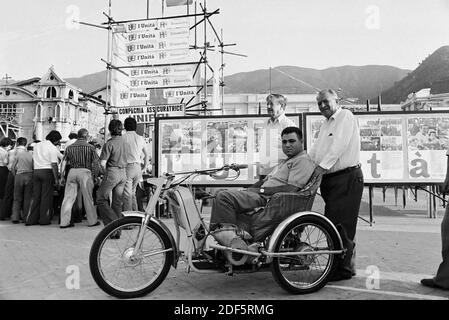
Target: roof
(25, 82)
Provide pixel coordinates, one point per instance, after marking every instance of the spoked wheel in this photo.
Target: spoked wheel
(121, 271)
(308, 273)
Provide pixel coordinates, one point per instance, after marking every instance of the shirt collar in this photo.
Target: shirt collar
(303, 152)
(278, 119)
(336, 113)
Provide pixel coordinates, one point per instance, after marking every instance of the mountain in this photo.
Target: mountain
(434, 68)
(361, 82)
(90, 82)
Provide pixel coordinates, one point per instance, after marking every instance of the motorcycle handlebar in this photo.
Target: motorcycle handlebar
(236, 166)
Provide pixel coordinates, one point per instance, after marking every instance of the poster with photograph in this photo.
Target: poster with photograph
(180, 145)
(211, 142)
(427, 146)
(399, 148)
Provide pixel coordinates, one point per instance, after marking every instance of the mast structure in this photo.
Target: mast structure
(198, 104)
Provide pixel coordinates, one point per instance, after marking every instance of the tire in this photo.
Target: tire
(109, 252)
(304, 274)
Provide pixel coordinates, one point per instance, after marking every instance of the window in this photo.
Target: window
(58, 112)
(39, 112)
(51, 92)
(70, 94)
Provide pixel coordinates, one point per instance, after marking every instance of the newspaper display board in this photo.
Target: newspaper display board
(184, 144)
(397, 147)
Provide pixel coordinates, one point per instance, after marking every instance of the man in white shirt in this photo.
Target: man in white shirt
(45, 178)
(336, 153)
(271, 146)
(135, 145)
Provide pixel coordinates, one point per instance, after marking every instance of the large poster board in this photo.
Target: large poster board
(189, 143)
(397, 147)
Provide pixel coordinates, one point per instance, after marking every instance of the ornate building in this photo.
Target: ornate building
(34, 107)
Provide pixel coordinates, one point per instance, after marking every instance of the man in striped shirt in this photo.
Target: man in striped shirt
(84, 168)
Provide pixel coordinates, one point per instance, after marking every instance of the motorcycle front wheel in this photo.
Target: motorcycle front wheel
(121, 271)
(308, 272)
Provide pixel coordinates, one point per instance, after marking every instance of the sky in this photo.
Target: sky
(314, 34)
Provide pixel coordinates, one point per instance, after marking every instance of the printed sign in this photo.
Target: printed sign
(146, 114)
(398, 148)
(179, 93)
(157, 57)
(159, 82)
(160, 24)
(175, 71)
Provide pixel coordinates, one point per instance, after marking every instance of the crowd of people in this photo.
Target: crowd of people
(39, 182)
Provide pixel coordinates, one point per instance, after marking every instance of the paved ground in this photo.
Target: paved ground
(403, 245)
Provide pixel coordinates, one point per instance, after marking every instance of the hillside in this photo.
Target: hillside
(361, 82)
(90, 82)
(435, 67)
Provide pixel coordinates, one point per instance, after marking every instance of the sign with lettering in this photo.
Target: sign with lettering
(159, 82)
(157, 57)
(397, 147)
(160, 24)
(172, 44)
(185, 71)
(180, 93)
(146, 114)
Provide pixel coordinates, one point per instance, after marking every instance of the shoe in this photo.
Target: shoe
(15, 221)
(431, 284)
(95, 224)
(67, 226)
(339, 277)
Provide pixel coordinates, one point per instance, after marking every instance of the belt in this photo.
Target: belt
(343, 171)
(116, 167)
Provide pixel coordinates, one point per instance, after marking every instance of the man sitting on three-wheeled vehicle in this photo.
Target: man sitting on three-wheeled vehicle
(290, 175)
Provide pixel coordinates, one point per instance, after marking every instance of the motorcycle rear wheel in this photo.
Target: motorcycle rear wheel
(304, 274)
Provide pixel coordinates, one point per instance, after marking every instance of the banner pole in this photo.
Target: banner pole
(108, 76)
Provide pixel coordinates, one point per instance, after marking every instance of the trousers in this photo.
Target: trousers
(41, 207)
(133, 176)
(442, 276)
(79, 180)
(342, 194)
(23, 189)
(229, 203)
(113, 182)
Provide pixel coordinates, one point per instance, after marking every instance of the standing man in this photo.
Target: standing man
(9, 191)
(134, 148)
(336, 153)
(46, 157)
(113, 163)
(441, 280)
(22, 168)
(270, 149)
(84, 168)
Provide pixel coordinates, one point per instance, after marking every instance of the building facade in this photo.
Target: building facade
(34, 107)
